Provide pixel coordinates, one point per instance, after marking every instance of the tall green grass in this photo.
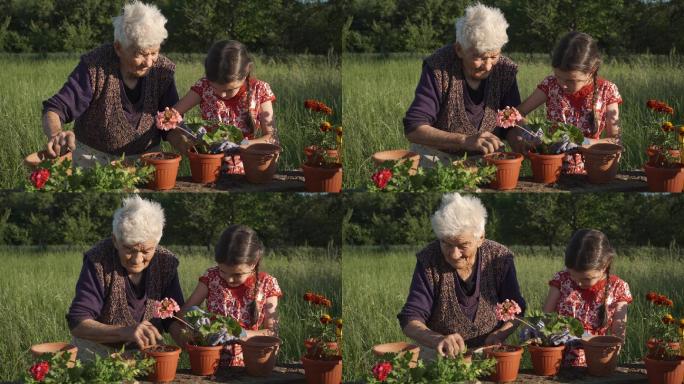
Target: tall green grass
(375, 283)
(27, 80)
(37, 287)
(377, 91)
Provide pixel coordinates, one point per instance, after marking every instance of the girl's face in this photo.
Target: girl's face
(227, 90)
(136, 62)
(460, 250)
(236, 275)
(135, 257)
(477, 65)
(587, 279)
(572, 81)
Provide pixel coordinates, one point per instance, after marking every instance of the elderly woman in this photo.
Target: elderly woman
(121, 278)
(460, 90)
(114, 94)
(457, 282)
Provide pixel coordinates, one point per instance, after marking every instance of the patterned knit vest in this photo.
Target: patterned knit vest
(103, 126)
(111, 275)
(447, 69)
(447, 316)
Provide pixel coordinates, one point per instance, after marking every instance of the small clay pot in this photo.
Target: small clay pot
(507, 169)
(602, 354)
(166, 362)
(204, 360)
(327, 371)
(397, 156)
(507, 362)
(601, 162)
(323, 179)
(205, 167)
(55, 348)
(260, 161)
(546, 169)
(546, 361)
(398, 348)
(259, 353)
(665, 371)
(665, 179)
(165, 169)
(31, 161)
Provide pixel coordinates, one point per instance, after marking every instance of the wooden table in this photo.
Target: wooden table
(627, 373)
(283, 181)
(282, 374)
(627, 181)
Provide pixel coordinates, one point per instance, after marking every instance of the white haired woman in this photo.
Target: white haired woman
(458, 280)
(114, 94)
(461, 87)
(121, 278)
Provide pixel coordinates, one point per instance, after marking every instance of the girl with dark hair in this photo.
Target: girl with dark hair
(236, 288)
(229, 93)
(576, 95)
(587, 291)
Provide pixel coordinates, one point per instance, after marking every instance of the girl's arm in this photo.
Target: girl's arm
(187, 102)
(270, 325)
(612, 129)
(198, 296)
(536, 99)
(267, 124)
(551, 300)
(619, 325)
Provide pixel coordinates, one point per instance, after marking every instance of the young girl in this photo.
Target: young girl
(228, 93)
(236, 288)
(587, 291)
(575, 94)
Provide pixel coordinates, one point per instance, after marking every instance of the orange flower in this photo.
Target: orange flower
(339, 131)
(667, 126)
(681, 130)
(338, 323)
(326, 303)
(325, 126)
(651, 296)
(681, 323)
(668, 319)
(311, 104)
(326, 319)
(325, 109)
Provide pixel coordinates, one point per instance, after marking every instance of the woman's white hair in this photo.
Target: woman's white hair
(140, 25)
(458, 215)
(138, 221)
(483, 28)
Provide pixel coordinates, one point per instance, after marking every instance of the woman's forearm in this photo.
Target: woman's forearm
(436, 138)
(419, 332)
(100, 333)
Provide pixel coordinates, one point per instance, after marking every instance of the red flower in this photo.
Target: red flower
(651, 296)
(311, 104)
(381, 370)
(39, 370)
(326, 303)
(39, 177)
(308, 296)
(382, 177)
(325, 109)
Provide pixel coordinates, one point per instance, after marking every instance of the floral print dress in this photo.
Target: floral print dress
(235, 302)
(583, 304)
(576, 109)
(234, 110)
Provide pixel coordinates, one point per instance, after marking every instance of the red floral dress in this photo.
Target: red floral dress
(576, 109)
(235, 302)
(234, 110)
(583, 305)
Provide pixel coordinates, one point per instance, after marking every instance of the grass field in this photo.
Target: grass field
(26, 81)
(37, 287)
(377, 91)
(375, 285)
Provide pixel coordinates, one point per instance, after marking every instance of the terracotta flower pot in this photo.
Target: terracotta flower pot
(56, 348)
(665, 371)
(546, 361)
(602, 354)
(601, 162)
(507, 169)
(166, 362)
(205, 167)
(204, 360)
(323, 371)
(655, 156)
(507, 362)
(398, 348)
(165, 169)
(669, 179)
(397, 156)
(259, 353)
(260, 161)
(546, 168)
(35, 158)
(323, 179)
(312, 157)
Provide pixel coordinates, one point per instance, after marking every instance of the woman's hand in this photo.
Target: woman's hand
(60, 143)
(144, 334)
(485, 142)
(451, 345)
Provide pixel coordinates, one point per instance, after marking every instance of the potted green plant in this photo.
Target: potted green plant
(212, 139)
(208, 332)
(552, 139)
(323, 166)
(663, 363)
(664, 169)
(322, 360)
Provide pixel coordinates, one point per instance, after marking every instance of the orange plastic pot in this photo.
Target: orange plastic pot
(602, 354)
(205, 167)
(204, 360)
(398, 348)
(507, 169)
(56, 348)
(546, 169)
(323, 179)
(166, 362)
(546, 361)
(397, 156)
(259, 354)
(260, 162)
(665, 179)
(323, 371)
(165, 169)
(601, 162)
(507, 362)
(665, 371)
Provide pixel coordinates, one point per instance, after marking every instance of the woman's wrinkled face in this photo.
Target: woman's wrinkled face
(572, 81)
(235, 275)
(587, 279)
(477, 65)
(135, 257)
(460, 250)
(136, 62)
(227, 90)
